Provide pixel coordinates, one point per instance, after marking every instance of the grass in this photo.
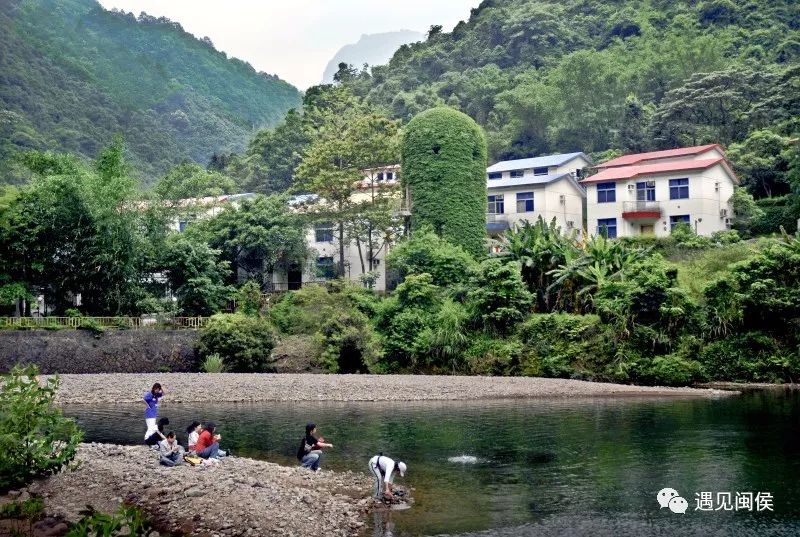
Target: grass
(698, 268)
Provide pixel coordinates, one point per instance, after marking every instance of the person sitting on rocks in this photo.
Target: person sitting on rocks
(193, 431)
(153, 437)
(310, 450)
(207, 446)
(170, 451)
(383, 467)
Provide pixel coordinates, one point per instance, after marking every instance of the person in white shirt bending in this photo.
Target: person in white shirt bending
(383, 468)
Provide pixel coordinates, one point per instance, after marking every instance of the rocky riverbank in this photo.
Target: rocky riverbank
(237, 497)
(232, 387)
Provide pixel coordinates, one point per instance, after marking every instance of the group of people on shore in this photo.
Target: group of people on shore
(203, 443)
(202, 439)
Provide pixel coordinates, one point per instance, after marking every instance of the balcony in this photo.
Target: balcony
(641, 211)
(496, 223)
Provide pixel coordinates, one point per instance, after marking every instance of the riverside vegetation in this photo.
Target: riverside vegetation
(673, 311)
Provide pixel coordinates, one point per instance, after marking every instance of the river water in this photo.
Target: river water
(536, 467)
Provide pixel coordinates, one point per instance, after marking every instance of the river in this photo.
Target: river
(535, 467)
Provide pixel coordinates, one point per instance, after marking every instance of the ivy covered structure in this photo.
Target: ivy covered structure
(444, 172)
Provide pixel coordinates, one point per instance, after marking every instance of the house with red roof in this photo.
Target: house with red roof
(651, 193)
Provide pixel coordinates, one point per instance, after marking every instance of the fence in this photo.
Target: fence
(190, 323)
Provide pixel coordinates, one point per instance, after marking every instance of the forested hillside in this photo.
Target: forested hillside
(373, 49)
(73, 74)
(567, 75)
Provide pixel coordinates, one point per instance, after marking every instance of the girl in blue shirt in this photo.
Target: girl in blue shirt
(151, 399)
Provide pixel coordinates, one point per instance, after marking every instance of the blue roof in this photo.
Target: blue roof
(535, 162)
(535, 180)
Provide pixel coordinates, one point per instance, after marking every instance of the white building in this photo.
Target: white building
(650, 193)
(526, 189)
(189, 210)
(323, 240)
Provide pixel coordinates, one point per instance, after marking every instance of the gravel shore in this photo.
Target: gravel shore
(232, 388)
(237, 497)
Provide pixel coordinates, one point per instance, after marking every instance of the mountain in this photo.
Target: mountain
(372, 49)
(546, 76)
(73, 74)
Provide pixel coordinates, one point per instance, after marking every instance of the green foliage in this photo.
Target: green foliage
(35, 438)
(444, 166)
(213, 364)
(127, 520)
(762, 162)
(83, 74)
(254, 238)
(489, 355)
(424, 251)
(195, 276)
(683, 235)
(348, 344)
(774, 214)
(248, 298)
(244, 343)
(305, 310)
(565, 345)
(188, 180)
(498, 295)
(448, 337)
(674, 370)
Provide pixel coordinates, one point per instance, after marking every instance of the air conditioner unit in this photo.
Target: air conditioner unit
(651, 184)
(723, 213)
(631, 188)
(562, 199)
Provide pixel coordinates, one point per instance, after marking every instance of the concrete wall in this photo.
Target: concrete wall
(114, 351)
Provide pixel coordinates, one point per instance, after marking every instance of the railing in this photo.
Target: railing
(641, 206)
(496, 218)
(104, 322)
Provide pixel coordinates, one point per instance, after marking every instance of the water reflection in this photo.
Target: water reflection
(545, 467)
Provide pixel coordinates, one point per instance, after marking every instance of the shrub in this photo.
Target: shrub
(729, 236)
(36, 440)
(685, 236)
(447, 337)
(244, 343)
(488, 355)
(674, 370)
(126, 521)
(750, 357)
(248, 298)
(444, 166)
(426, 252)
(499, 297)
(566, 345)
(305, 310)
(213, 364)
(348, 343)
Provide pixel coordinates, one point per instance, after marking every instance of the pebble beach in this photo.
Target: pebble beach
(242, 387)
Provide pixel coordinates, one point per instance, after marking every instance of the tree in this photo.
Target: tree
(448, 265)
(633, 131)
(444, 167)
(256, 237)
(351, 141)
(762, 161)
(498, 295)
(195, 276)
(188, 180)
(272, 155)
(244, 342)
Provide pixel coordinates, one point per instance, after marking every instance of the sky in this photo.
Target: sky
(296, 39)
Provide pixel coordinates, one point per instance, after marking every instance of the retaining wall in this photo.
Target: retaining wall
(113, 351)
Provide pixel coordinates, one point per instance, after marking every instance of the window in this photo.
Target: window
(323, 232)
(646, 191)
(607, 227)
(679, 219)
(516, 174)
(380, 176)
(182, 225)
(325, 268)
(579, 173)
(606, 192)
(678, 189)
(540, 171)
(389, 176)
(496, 175)
(524, 202)
(496, 204)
